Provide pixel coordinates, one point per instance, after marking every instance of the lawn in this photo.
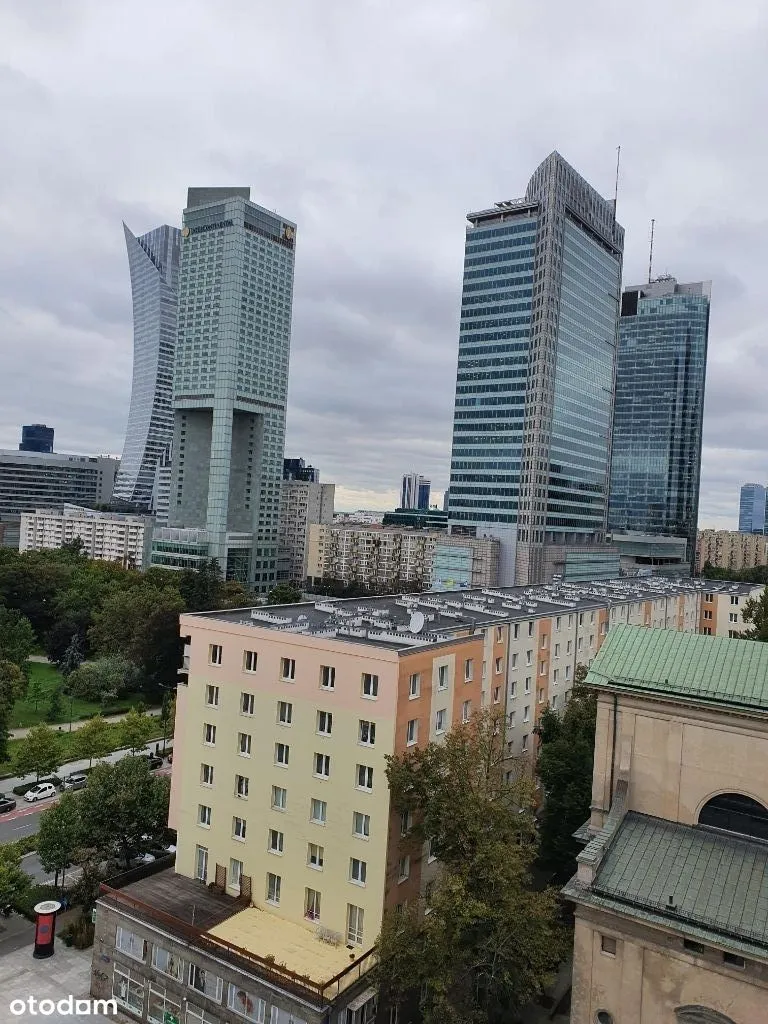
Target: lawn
(43, 679)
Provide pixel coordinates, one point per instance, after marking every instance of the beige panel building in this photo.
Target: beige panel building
(111, 536)
(302, 502)
(729, 549)
(672, 886)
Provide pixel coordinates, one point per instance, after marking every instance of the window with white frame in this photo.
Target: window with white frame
(247, 701)
(128, 989)
(355, 918)
(403, 868)
(204, 815)
(557, 624)
(530, 629)
(282, 754)
(201, 863)
(246, 1004)
(235, 873)
(440, 720)
(498, 665)
(327, 677)
(370, 685)
(541, 695)
(511, 719)
(469, 670)
(315, 856)
(513, 661)
(206, 774)
(244, 744)
(361, 825)
(241, 786)
(238, 828)
(209, 734)
(288, 669)
(412, 732)
(529, 657)
(322, 765)
(131, 944)
(568, 646)
(167, 962)
(542, 668)
(249, 661)
(525, 743)
(414, 685)
(528, 681)
(365, 777)
(279, 798)
(499, 634)
(366, 733)
(497, 695)
(466, 711)
(284, 712)
(512, 691)
(318, 811)
(527, 713)
(516, 631)
(311, 904)
(273, 888)
(358, 871)
(555, 674)
(214, 654)
(202, 980)
(567, 671)
(324, 723)
(275, 841)
(212, 695)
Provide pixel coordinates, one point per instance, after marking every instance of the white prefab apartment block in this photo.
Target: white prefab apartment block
(302, 502)
(109, 536)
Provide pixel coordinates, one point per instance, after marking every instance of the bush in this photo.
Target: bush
(36, 894)
(21, 790)
(78, 933)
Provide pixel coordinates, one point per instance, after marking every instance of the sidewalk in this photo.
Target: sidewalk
(19, 734)
(7, 785)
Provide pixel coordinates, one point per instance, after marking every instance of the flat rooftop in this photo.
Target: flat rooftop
(291, 945)
(185, 899)
(406, 621)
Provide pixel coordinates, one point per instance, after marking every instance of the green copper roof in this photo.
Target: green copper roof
(708, 669)
(689, 875)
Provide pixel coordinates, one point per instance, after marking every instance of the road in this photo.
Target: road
(24, 821)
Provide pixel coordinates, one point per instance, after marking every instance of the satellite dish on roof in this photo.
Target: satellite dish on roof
(417, 622)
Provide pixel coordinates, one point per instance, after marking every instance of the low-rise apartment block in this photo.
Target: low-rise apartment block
(729, 549)
(285, 717)
(110, 536)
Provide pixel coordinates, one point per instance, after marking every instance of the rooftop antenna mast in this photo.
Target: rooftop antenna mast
(650, 256)
(616, 187)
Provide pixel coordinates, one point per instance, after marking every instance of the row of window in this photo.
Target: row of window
(369, 683)
(284, 716)
(609, 945)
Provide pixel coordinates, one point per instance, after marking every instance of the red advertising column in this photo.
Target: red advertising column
(45, 928)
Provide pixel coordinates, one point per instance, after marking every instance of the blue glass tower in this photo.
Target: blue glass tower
(153, 260)
(752, 502)
(659, 409)
(535, 378)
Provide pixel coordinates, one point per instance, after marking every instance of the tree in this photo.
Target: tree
(60, 834)
(122, 804)
(55, 704)
(284, 593)
(14, 881)
(103, 680)
(167, 715)
(565, 768)
(17, 637)
(94, 739)
(39, 752)
(36, 691)
(73, 657)
(756, 612)
(13, 683)
(135, 730)
(489, 943)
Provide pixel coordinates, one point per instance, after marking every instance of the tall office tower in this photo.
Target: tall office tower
(36, 437)
(414, 491)
(659, 409)
(752, 501)
(153, 260)
(230, 386)
(535, 379)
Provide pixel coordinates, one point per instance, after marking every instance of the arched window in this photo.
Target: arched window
(700, 1015)
(736, 813)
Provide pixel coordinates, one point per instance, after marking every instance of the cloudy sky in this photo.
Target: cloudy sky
(375, 124)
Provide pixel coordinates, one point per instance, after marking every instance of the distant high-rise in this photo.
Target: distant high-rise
(414, 491)
(297, 469)
(752, 501)
(230, 386)
(535, 379)
(153, 260)
(657, 430)
(36, 437)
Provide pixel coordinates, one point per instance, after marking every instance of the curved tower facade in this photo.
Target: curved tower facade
(153, 260)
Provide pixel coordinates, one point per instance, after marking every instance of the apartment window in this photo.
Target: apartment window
(204, 815)
(214, 654)
(324, 723)
(235, 873)
(734, 599)
(440, 721)
(249, 661)
(525, 743)
(484, 670)
(131, 944)
(466, 710)
(581, 643)
(246, 1004)
(707, 613)
(244, 744)
(246, 703)
(275, 844)
(315, 856)
(567, 671)
(358, 871)
(414, 685)
(557, 624)
(364, 777)
(128, 990)
(544, 642)
(327, 677)
(322, 765)
(282, 753)
(591, 639)
(733, 617)
(311, 905)
(318, 811)
(516, 631)
(707, 631)
(529, 658)
(514, 661)
(167, 963)
(555, 674)
(367, 733)
(468, 670)
(201, 863)
(541, 695)
(206, 774)
(370, 685)
(284, 712)
(499, 634)
(241, 787)
(288, 669)
(527, 713)
(497, 665)
(406, 822)
(511, 719)
(279, 798)
(403, 868)
(273, 888)
(361, 825)
(355, 916)
(557, 650)
(212, 696)
(238, 828)
(581, 618)
(527, 684)
(412, 732)
(512, 691)
(204, 981)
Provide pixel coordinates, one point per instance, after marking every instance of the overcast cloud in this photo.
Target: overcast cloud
(375, 124)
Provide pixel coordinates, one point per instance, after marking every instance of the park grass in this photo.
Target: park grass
(25, 714)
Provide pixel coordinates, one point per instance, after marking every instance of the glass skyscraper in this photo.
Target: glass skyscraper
(535, 379)
(153, 260)
(659, 409)
(230, 386)
(752, 501)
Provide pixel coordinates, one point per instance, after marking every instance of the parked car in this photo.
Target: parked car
(41, 791)
(154, 761)
(75, 782)
(7, 803)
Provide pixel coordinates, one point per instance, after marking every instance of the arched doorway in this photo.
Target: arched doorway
(733, 812)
